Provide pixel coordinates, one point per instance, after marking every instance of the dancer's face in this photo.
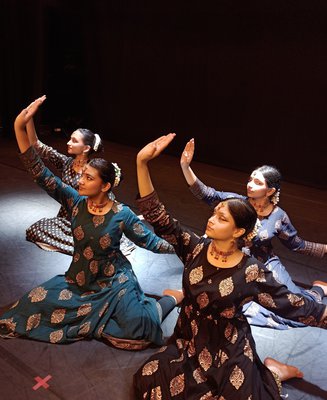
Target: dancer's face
(257, 186)
(76, 144)
(90, 183)
(221, 224)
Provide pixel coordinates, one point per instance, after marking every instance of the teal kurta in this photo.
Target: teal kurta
(99, 295)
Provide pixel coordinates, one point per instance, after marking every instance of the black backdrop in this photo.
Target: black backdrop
(247, 79)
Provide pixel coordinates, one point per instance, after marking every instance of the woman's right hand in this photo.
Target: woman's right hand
(187, 155)
(28, 112)
(153, 149)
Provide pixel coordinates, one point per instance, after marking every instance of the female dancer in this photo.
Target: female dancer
(263, 190)
(99, 296)
(212, 354)
(54, 234)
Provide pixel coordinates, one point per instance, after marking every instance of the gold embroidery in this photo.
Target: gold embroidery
(196, 275)
(103, 309)
(14, 305)
(122, 278)
(186, 238)
(105, 241)
(207, 396)
(205, 359)
(150, 367)
(202, 300)
(65, 294)
(231, 333)
(237, 377)
(9, 323)
(121, 293)
(79, 233)
(221, 357)
(100, 330)
(198, 376)
(69, 280)
(251, 273)
(88, 253)
(197, 249)
(98, 220)
(84, 329)
(309, 320)
(87, 293)
(228, 312)
(295, 300)
(50, 183)
(56, 336)
(262, 276)
(266, 300)
(102, 284)
(84, 309)
(76, 257)
(138, 228)
(188, 310)
(191, 348)
(248, 350)
(194, 327)
(226, 287)
(80, 278)
(94, 267)
(156, 393)
(179, 359)
(177, 385)
(109, 270)
(37, 294)
(58, 315)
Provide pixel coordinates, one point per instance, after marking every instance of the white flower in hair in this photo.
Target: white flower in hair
(97, 141)
(117, 174)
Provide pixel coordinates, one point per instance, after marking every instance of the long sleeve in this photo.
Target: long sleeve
(210, 195)
(185, 242)
(64, 194)
(288, 236)
(53, 156)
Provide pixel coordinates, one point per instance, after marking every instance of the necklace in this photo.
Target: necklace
(80, 162)
(96, 207)
(260, 208)
(216, 254)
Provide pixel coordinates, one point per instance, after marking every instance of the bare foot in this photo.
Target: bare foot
(321, 284)
(284, 371)
(176, 294)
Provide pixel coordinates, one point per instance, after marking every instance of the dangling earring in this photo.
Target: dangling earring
(275, 198)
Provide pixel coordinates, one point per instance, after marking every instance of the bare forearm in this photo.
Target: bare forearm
(189, 175)
(31, 132)
(21, 137)
(144, 179)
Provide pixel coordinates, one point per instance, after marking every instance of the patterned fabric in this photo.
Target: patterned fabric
(277, 224)
(54, 234)
(212, 354)
(99, 296)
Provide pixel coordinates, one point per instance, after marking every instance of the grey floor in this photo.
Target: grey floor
(92, 370)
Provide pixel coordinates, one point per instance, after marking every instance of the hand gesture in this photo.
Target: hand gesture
(28, 112)
(187, 155)
(153, 149)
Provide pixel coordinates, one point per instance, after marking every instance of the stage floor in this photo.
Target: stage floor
(92, 370)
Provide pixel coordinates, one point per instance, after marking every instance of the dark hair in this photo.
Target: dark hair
(106, 170)
(272, 176)
(89, 139)
(243, 213)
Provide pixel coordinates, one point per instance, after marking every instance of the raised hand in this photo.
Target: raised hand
(188, 153)
(27, 113)
(153, 149)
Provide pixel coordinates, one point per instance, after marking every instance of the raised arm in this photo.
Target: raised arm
(185, 161)
(31, 132)
(22, 120)
(149, 152)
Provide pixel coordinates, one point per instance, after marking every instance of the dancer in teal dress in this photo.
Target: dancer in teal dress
(99, 296)
(212, 353)
(263, 190)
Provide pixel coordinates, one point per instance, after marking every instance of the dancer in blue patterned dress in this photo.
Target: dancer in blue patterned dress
(99, 295)
(212, 353)
(263, 191)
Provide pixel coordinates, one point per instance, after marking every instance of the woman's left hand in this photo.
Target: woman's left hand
(28, 112)
(153, 149)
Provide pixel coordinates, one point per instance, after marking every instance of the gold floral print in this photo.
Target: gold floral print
(156, 393)
(188, 310)
(105, 241)
(79, 233)
(311, 320)
(228, 312)
(121, 293)
(76, 257)
(248, 350)
(181, 343)
(138, 228)
(197, 249)
(58, 315)
(103, 309)
(196, 275)
(231, 333)
(94, 267)
(123, 278)
(237, 377)
(266, 300)
(226, 287)
(186, 238)
(87, 293)
(191, 348)
(100, 330)
(150, 368)
(194, 327)
(65, 294)
(207, 396)
(170, 239)
(88, 253)
(10, 324)
(84, 309)
(37, 294)
(84, 329)
(295, 300)
(33, 321)
(198, 376)
(202, 300)
(14, 305)
(162, 349)
(251, 273)
(56, 336)
(98, 220)
(177, 385)
(109, 269)
(80, 278)
(102, 284)
(221, 357)
(69, 280)
(179, 359)
(50, 183)
(205, 359)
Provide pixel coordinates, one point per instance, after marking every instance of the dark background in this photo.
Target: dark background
(246, 79)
